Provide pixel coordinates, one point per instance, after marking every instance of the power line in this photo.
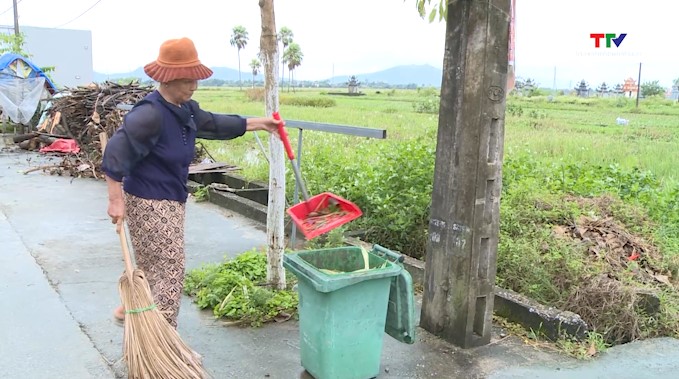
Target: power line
(9, 9)
(80, 15)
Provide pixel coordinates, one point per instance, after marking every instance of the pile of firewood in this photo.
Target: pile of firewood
(88, 115)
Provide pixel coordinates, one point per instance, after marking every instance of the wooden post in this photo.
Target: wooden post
(639, 85)
(275, 231)
(16, 19)
(464, 223)
(103, 140)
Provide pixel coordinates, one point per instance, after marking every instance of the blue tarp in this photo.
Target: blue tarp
(7, 68)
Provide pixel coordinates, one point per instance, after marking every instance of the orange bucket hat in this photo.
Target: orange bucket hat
(177, 59)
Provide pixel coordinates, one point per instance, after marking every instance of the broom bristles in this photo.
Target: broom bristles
(152, 348)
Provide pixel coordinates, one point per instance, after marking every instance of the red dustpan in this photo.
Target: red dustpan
(321, 213)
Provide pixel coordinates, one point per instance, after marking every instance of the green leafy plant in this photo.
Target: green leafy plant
(334, 238)
(396, 206)
(514, 109)
(13, 43)
(235, 290)
(202, 193)
(429, 104)
(588, 348)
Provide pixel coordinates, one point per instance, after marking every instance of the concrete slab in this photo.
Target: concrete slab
(39, 337)
(60, 262)
(655, 358)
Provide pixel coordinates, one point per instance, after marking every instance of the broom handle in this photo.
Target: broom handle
(126, 251)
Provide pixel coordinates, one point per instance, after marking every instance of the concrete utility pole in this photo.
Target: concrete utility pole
(16, 18)
(464, 223)
(275, 225)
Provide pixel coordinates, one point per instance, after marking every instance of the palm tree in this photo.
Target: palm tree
(239, 39)
(285, 37)
(255, 65)
(293, 56)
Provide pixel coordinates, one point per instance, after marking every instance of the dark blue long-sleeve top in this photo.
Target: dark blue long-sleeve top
(152, 150)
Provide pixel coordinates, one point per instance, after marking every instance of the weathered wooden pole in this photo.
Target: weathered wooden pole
(464, 224)
(16, 19)
(275, 226)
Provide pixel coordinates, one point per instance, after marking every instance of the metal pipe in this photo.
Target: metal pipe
(293, 234)
(261, 146)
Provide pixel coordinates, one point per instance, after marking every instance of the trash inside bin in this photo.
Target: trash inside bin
(344, 297)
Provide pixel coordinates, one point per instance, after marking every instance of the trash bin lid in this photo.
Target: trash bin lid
(401, 310)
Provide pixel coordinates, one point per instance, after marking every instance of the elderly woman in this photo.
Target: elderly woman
(147, 163)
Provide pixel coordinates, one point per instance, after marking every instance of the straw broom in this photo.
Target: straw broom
(152, 348)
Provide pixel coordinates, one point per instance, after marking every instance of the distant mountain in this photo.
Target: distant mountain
(226, 73)
(420, 75)
(223, 73)
(138, 73)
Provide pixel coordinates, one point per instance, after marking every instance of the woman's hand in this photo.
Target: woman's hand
(116, 210)
(116, 204)
(268, 124)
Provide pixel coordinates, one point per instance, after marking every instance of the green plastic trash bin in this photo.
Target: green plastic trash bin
(343, 309)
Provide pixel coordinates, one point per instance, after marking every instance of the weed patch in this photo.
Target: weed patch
(315, 102)
(236, 290)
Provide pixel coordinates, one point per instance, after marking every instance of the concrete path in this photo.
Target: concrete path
(60, 262)
(656, 358)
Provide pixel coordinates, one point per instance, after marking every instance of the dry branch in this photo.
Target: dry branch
(90, 115)
(84, 114)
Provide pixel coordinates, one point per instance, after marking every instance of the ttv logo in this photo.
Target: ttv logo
(609, 37)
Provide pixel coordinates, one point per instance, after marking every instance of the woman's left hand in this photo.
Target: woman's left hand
(268, 124)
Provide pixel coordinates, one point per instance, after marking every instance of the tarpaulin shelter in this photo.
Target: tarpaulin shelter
(22, 86)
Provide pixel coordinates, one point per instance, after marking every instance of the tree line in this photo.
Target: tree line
(292, 53)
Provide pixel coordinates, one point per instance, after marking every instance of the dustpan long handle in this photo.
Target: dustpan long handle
(126, 250)
(298, 177)
(291, 155)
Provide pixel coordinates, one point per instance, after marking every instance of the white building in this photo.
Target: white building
(68, 50)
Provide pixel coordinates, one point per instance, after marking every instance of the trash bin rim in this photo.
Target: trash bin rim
(323, 282)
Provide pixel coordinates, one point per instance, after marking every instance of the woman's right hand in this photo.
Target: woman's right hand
(116, 210)
(116, 204)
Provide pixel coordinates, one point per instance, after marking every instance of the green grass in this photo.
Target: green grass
(564, 159)
(393, 113)
(557, 130)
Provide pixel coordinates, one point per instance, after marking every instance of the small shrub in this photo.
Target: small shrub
(621, 102)
(515, 110)
(428, 105)
(428, 91)
(396, 206)
(202, 194)
(536, 114)
(255, 94)
(334, 238)
(316, 102)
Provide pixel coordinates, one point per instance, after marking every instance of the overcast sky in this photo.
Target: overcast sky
(361, 36)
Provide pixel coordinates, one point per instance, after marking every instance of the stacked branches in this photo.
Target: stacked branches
(88, 115)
